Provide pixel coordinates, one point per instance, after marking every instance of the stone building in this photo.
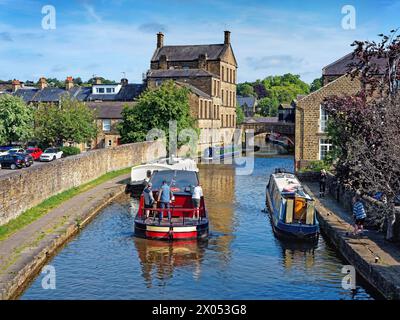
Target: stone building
(311, 140)
(210, 72)
(248, 105)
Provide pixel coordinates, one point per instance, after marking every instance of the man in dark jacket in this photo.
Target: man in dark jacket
(148, 198)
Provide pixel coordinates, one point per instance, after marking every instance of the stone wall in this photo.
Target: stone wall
(23, 189)
(344, 195)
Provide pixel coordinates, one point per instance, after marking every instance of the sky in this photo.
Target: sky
(116, 38)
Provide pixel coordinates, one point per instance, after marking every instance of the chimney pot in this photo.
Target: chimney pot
(160, 40)
(124, 81)
(42, 83)
(227, 37)
(69, 83)
(97, 80)
(16, 84)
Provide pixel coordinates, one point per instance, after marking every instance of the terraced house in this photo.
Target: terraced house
(107, 100)
(210, 72)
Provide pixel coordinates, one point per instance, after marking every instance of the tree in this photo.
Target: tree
(69, 122)
(364, 128)
(245, 90)
(316, 84)
(154, 109)
(239, 115)
(16, 121)
(274, 90)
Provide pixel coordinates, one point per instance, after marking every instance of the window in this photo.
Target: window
(323, 119)
(107, 125)
(325, 145)
(110, 90)
(209, 110)
(201, 109)
(223, 73)
(100, 90)
(234, 76)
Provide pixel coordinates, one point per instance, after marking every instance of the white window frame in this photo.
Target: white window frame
(323, 122)
(324, 142)
(106, 128)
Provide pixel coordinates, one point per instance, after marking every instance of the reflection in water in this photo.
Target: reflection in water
(242, 259)
(161, 258)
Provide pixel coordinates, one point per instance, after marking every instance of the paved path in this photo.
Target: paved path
(375, 259)
(23, 254)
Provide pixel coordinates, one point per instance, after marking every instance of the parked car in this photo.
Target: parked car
(51, 154)
(4, 150)
(16, 150)
(28, 159)
(12, 161)
(34, 152)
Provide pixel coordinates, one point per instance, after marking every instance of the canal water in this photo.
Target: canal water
(242, 259)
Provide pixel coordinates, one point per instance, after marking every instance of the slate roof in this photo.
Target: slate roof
(195, 90)
(188, 52)
(49, 94)
(179, 73)
(108, 109)
(341, 66)
(249, 101)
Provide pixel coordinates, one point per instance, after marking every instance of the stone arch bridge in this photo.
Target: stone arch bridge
(268, 126)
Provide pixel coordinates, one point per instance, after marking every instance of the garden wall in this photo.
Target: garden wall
(23, 189)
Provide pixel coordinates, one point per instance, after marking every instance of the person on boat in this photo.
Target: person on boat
(196, 197)
(148, 199)
(359, 215)
(164, 199)
(322, 183)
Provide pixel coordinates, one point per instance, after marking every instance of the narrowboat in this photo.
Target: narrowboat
(276, 138)
(292, 210)
(141, 174)
(184, 222)
(220, 152)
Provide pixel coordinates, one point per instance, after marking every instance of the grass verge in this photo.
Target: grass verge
(53, 202)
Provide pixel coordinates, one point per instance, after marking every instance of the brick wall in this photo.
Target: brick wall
(26, 188)
(308, 116)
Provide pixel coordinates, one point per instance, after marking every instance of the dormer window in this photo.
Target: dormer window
(110, 90)
(99, 90)
(106, 88)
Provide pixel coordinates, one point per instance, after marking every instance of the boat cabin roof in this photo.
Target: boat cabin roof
(289, 186)
(178, 180)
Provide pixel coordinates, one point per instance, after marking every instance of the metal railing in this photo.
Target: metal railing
(186, 213)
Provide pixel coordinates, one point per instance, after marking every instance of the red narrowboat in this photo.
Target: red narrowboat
(182, 221)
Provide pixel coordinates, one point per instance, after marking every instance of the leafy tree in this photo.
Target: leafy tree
(154, 109)
(70, 122)
(245, 90)
(365, 127)
(316, 84)
(16, 121)
(239, 115)
(274, 90)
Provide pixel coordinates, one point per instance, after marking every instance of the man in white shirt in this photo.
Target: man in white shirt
(196, 197)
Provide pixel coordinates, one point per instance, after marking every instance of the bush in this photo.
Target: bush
(70, 151)
(317, 166)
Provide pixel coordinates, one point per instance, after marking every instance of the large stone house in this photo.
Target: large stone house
(107, 100)
(210, 72)
(312, 142)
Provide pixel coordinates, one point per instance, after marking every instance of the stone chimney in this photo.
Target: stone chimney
(160, 40)
(203, 61)
(42, 83)
(97, 80)
(227, 37)
(163, 63)
(69, 83)
(124, 82)
(16, 84)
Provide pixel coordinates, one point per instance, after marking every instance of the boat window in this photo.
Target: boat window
(177, 179)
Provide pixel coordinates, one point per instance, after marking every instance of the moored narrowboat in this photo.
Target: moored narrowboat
(292, 210)
(182, 221)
